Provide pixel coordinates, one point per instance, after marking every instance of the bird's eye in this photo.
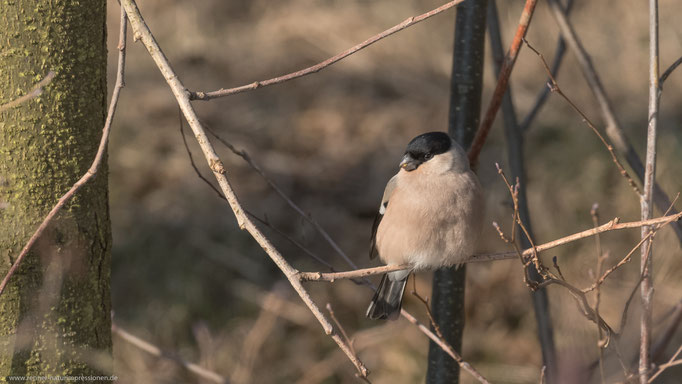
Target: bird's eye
(428, 156)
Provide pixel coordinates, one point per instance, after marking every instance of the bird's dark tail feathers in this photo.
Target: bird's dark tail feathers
(388, 299)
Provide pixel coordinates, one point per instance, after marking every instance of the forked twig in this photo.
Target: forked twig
(516, 220)
(628, 256)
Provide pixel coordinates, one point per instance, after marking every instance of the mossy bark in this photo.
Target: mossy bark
(55, 312)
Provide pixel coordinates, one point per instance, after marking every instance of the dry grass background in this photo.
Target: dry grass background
(186, 279)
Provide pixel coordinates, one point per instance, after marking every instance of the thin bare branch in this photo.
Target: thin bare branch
(156, 351)
(444, 344)
(622, 262)
(92, 171)
(601, 341)
(667, 335)
(317, 67)
(340, 327)
(332, 276)
(516, 221)
(612, 225)
(554, 86)
(623, 320)
(583, 305)
(627, 257)
(254, 216)
(191, 158)
(291, 240)
(35, 92)
(559, 55)
(646, 201)
(589, 72)
(668, 72)
(626, 307)
(306, 216)
(671, 363)
(503, 80)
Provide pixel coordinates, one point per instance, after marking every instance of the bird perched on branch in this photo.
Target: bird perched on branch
(430, 216)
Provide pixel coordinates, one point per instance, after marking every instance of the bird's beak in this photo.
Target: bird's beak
(408, 163)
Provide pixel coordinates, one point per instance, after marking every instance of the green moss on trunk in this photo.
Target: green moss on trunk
(56, 310)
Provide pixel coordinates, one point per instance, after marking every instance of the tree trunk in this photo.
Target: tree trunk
(56, 309)
(465, 109)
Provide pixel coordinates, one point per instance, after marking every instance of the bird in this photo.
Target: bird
(430, 217)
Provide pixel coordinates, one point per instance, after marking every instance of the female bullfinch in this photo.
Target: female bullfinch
(429, 217)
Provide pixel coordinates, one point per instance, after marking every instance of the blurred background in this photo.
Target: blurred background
(186, 279)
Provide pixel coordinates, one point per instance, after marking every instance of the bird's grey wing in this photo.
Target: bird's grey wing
(390, 186)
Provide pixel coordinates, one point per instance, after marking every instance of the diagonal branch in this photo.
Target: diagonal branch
(667, 335)
(559, 55)
(671, 363)
(444, 345)
(503, 80)
(668, 72)
(182, 96)
(306, 216)
(317, 67)
(554, 86)
(442, 341)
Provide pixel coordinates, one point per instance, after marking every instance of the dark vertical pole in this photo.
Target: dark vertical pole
(465, 109)
(515, 141)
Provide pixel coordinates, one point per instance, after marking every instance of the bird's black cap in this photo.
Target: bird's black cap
(432, 142)
(423, 147)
